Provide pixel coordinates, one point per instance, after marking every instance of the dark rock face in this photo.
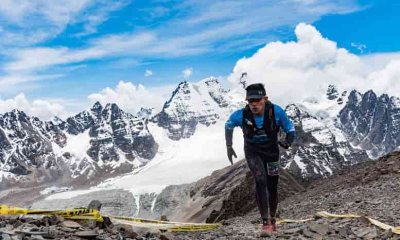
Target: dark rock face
(190, 105)
(319, 149)
(332, 92)
(217, 92)
(23, 145)
(112, 130)
(371, 122)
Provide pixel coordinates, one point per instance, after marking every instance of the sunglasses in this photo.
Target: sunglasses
(256, 100)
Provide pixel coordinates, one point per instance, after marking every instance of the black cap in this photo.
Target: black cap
(255, 91)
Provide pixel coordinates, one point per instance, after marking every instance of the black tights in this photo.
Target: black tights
(266, 185)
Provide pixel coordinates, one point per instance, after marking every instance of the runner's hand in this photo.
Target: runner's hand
(231, 153)
(284, 144)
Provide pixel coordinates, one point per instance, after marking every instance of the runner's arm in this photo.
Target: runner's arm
(234, 120)
(286, 125)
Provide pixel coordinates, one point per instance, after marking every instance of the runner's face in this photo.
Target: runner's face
(257, 105)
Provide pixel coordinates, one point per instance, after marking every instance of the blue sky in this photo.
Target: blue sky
(66, 50)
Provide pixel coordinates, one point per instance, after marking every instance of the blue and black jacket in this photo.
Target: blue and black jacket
(260, 131)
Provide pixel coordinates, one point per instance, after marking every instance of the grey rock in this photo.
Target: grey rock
(5, 236)
(292, 230)
(321, 229)
(86, 234)
(362, 232)
(71, 224)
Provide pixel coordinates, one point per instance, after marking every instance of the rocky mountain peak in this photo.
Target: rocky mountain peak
(111, 112)
(113, 139)
(211, 81)
(294, 113)
(394, 102)
(332, 92)
(16, 115)
(145, 113)
(371, 122)
(384, 98)
(354, 97)
(369, 97)
(97, 107)
(320, 148)
(190, 104)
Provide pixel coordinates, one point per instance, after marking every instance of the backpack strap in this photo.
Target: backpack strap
(270, 126)
(249, 124)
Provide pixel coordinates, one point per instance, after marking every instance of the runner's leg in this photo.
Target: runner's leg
(256, 165)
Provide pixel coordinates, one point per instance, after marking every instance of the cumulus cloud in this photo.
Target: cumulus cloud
(44, 109)
(148, 73)
(132, 97)
(386, 80)
(187, 72)
(295, 70)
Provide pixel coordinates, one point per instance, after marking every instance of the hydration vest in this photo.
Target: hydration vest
(269, 128)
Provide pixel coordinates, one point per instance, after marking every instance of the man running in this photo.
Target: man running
(261, 121)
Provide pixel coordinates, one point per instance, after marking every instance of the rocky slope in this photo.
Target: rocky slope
(370, 189)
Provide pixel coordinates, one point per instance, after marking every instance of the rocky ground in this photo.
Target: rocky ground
(371, 189)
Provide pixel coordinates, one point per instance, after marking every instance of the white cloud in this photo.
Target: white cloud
(37, 20)
(132, 97)
(98, 15)
(207, 26)
(44, 109)
(292, 71)
(148, 73)
(187, 72)
(386, 80)
(31, 22)
(19, 81)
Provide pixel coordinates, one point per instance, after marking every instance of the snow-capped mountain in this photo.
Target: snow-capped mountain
(371, 122)
(103, 142)
(320, 148)
(97, 141)
(26, 142)
(114, 134)
(191, 104)
(168, 148)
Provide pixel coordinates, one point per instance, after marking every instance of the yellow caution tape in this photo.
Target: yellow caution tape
(92, 214)
(381, 225)
(166, 225)
(6, 210)
(78, 213)
(281, 221)
(326, 214)
(139, 220)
